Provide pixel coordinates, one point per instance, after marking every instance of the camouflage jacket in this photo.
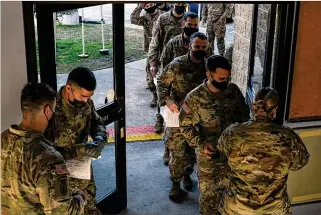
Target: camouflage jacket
(205, 114)
(214, 11)
(72, 126)
(165, 28)
(179, 78)
(176, 47)
(260, 154)
(147, 21)
(34, 176)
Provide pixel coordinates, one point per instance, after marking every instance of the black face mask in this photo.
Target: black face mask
(220, 85)
(151, 9)
(189, 31)
(76, 103)
(179, 9)
(199, 54)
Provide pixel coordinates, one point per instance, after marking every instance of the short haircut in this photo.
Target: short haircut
(83, 77)
(217, 61)
(191, 15)
(35, 95)
(198, 34)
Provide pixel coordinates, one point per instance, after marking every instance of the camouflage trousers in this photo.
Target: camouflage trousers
(217, 29)
(89, 188)
(182, 156)
(149, 78)
(210, 183)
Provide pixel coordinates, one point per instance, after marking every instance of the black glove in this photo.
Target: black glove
(90, 149)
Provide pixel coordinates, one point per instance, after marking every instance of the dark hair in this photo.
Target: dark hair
(83, 77)
(266, 99)
(216, 61)
(198, 34)
(36, 95)
(191, 15)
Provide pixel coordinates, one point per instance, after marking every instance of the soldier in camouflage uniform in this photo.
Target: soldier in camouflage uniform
(147, 21)
(76, 119)
(229, 54)
(204, 115)
(214, 15)
(34, 178)
(179, 77)
(179, 45)
(260, 154)
(167, 26)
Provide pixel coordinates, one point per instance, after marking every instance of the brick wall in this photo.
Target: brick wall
(241, 50)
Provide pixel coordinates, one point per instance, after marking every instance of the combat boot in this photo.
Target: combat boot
(174, 193)
(166, 156)
(159, 126)
(153, 103)
(187, 183)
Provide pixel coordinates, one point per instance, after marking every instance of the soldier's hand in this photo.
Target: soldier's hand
(172, 105)
(90, 149)
(209, 150)
(153, 70)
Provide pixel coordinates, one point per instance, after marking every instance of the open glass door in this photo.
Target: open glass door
(62, 47)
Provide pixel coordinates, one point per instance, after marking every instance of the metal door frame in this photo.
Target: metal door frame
(116, 200)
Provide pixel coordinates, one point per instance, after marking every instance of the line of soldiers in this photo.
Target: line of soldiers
(242, 163)
(55, 128)
(208, 103)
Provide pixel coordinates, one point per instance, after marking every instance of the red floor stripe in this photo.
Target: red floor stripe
(138, 130)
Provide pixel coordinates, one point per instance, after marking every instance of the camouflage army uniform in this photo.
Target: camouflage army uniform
(166, 27)
(260, 154)
(215, 17)
(203, 117)
(71, 127)
(147, 21)
(229, 54)
(176, 47)
(179, 78)
(34, 179)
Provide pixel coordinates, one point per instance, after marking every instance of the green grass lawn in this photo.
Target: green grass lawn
(69, 46)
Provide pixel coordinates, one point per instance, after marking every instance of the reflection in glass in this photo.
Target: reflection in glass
(261, 34)
(104, 167)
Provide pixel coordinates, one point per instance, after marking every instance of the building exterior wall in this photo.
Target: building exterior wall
(13, 62)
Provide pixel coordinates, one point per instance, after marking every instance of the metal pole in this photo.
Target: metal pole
(199, 12)
(102, 25)
(102, 51)
(83, 55)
